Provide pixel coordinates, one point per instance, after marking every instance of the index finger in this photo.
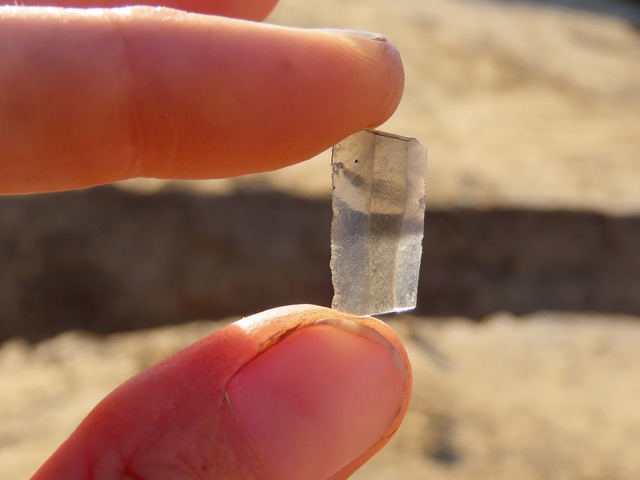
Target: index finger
(95, 96)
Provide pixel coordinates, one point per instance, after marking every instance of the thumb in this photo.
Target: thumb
(294, 392)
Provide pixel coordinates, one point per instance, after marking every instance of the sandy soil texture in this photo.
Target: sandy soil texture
(529, 398)
(531, 114)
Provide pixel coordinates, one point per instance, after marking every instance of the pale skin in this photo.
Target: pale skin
(89, 97)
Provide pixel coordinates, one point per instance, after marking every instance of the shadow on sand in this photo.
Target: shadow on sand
(108, 260)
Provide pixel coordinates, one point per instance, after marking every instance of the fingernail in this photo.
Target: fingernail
(319, 398)
(376, 37)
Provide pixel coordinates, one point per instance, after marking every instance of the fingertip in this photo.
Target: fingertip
(384, 58)
(268, 97)
(325, 396)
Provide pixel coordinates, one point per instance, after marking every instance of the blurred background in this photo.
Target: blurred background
(526, 339)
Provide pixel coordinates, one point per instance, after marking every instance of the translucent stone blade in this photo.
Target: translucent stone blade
(378, 222)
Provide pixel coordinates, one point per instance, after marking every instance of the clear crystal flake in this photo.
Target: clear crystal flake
(378, 222)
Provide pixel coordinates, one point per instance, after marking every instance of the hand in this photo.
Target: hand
(93, 97)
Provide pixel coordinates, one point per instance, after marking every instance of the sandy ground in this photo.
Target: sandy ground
(513, 398)
(524, 107)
